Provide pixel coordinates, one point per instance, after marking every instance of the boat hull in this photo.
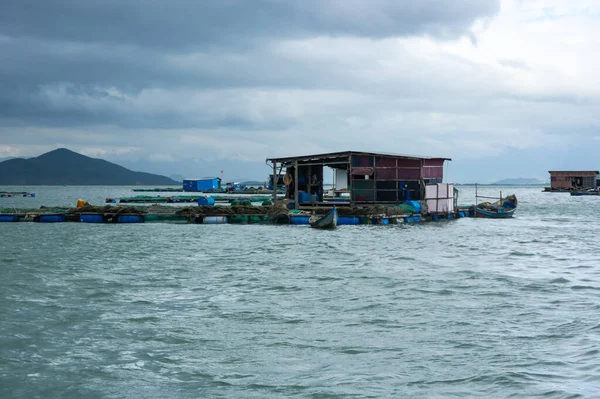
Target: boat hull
(581, 193)
(500, 214)
(328, 221)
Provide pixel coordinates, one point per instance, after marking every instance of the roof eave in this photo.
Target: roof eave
(321, 157)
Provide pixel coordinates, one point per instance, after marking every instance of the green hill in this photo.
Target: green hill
(65, 167)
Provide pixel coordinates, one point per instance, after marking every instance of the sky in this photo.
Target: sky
(507, 88)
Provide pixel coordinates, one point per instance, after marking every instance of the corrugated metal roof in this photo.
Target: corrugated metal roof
(201, 178)
(574, 171)
(348, 153)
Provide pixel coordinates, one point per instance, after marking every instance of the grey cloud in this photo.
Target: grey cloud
(92, 46)
(249, 75)
(192, 23)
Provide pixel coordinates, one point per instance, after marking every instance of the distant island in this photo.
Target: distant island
(519, 182)
(66, 167)
(510, 182)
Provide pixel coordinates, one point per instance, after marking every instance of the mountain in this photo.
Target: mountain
(65, 167)
(7, 158)
(191, 168)
(178, 178)
(519, 182)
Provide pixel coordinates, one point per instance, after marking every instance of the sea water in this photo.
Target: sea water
(461, 308)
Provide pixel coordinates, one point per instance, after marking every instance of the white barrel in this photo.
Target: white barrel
(215, 219)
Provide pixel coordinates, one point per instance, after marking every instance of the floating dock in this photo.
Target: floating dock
(222, 215)
(147, 199)
(157, 190)
(248, 191)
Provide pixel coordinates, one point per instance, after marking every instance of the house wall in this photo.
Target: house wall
(567, 180)
(200, 185)
(207, 184)
(341, 179)
(391, 179)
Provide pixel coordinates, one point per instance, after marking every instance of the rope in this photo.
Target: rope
(287, 179)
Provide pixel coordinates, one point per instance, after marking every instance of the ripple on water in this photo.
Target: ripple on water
(470, 308)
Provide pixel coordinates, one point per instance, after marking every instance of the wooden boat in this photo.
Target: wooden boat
(327, 221)
(585, 192)
(501, 209)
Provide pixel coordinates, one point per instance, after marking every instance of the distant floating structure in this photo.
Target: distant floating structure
(8, 194)
(568, 180)
(202, 184)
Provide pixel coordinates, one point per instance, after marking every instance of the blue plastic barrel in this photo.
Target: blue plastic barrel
(9, 218)
(91, 218)
(130, 219)
(206, 201)
(52, 218)
(303, 197)
(348, 220)
(415, 204)
(299, 219)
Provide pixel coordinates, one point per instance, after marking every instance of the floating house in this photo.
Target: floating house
(202, 184)
(365, 178)
(279, 184)
(562, 180)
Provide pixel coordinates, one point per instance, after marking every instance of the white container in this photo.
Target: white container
(215, 219)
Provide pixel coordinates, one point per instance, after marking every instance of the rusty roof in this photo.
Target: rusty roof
(325, 156)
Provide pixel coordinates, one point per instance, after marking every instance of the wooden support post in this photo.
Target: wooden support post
(448, 194)
(275, 180)
(351, 180)
(437, 198)
(296, 184)
(309, 184)
(475, 208)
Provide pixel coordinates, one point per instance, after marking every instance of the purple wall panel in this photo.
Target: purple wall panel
(433, 162)
(385, 162)
(409, 163)
(431, 173)
(412, 174)
(385, 173)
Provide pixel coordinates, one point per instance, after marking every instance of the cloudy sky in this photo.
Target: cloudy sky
(506, 88)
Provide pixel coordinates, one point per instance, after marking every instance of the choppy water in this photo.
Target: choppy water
(465, 308)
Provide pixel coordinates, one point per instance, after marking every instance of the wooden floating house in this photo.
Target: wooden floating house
(565, 180)
(361, 178)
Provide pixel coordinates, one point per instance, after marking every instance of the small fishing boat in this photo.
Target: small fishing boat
(501, 209)
(327, 221)
(585, 192)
